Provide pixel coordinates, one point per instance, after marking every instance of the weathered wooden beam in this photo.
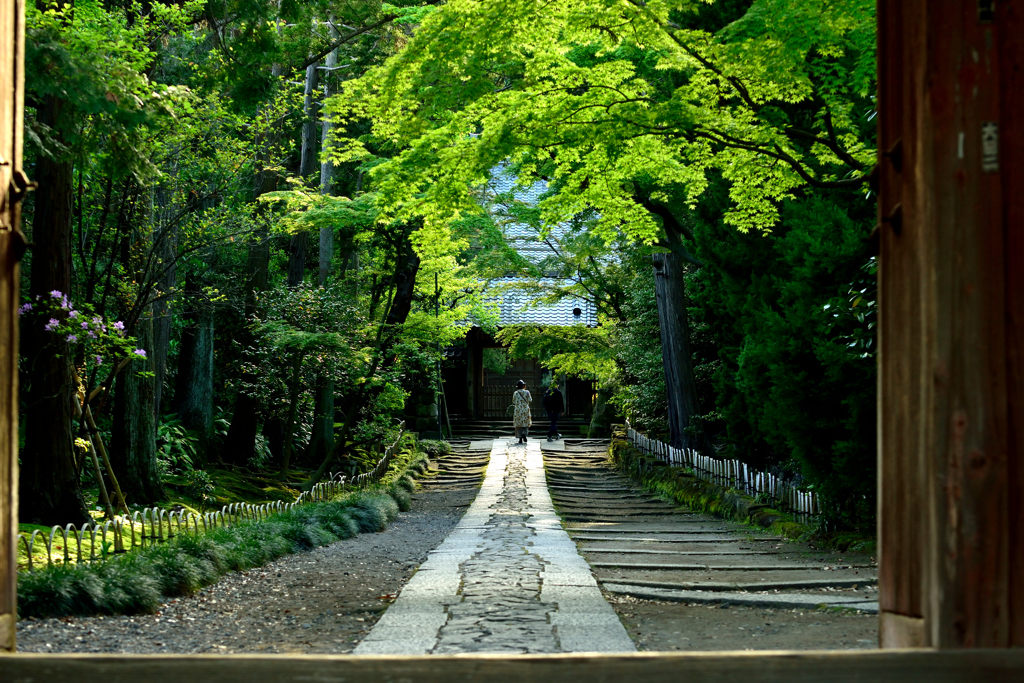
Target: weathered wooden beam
(879, 666)
(13, 184)
(951, 322)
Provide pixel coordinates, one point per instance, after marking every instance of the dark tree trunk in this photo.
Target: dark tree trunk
(307, 162)
(327, 166)
(273, 430)
(240, 444)
(405, 284)
(50, 492)
(307, 165)
(680, 385)
(322, 438)
(297, 247)
(133, 438)
(193, 391)
(166, 237)
(326, 254)
(293, 406)
(161, 346)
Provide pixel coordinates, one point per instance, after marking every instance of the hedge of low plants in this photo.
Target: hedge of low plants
(140, 581)
(683, 487)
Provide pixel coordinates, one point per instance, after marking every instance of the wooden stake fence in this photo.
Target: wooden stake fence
(157, 525)
(732, 474)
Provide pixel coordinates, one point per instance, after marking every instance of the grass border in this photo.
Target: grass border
(140, 581)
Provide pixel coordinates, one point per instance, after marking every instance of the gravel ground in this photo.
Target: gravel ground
(318, 602)
(673, 626)
(326, 601)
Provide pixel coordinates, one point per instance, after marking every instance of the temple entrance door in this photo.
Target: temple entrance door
(498, 389)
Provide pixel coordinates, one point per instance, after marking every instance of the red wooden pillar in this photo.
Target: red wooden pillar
(951, 390)
(12, 186)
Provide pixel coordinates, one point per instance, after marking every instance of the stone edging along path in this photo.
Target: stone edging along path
(508, 579)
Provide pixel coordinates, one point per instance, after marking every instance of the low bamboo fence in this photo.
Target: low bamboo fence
(732, 473)
(95, 542)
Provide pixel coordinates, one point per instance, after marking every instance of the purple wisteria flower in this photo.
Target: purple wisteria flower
(52, 325)
(85, 326)
(99, 360)
(25, 308)
(119, 326)
(141, 353)
(56, 294)
(92, 335)
(71, 338)
(73, 314)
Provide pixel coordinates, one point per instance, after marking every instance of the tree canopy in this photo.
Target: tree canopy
(617, 101)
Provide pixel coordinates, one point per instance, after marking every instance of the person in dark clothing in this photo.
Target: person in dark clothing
(554, 404)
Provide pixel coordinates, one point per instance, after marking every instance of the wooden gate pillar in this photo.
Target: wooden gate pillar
(13, 184)
(951, 342)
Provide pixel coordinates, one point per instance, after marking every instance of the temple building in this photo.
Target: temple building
(478, 377)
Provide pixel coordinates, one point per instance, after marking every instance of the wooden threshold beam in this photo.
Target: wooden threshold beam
(876, 666)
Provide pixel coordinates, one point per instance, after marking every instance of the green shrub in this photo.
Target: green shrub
(139, 581)
(199, 487)
(176, 446)
(434, 448)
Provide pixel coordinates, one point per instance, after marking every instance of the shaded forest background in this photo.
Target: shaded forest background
(257, 222)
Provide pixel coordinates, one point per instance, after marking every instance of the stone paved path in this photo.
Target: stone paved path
(508, 579)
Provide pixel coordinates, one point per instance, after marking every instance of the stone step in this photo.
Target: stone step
(710, 552)
(712, 567)
(781, 601)
(802, 584)
(697, 537)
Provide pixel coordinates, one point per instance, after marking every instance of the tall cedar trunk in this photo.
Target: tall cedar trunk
(322, 439)
(297, 248)
(133, 438)
(166, 237)
(50, 492)
(193, 391)
(327, 171)
(307, 162)
(299, 243)
(405, 285)
(293, 406)
(240, 444)
(327, 166)
(680, 385)
(273, 431)
(161, 346)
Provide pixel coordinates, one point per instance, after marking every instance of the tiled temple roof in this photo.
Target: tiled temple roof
(515, 308)
(516, 305)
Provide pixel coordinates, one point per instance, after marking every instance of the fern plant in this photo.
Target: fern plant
(176, 446)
